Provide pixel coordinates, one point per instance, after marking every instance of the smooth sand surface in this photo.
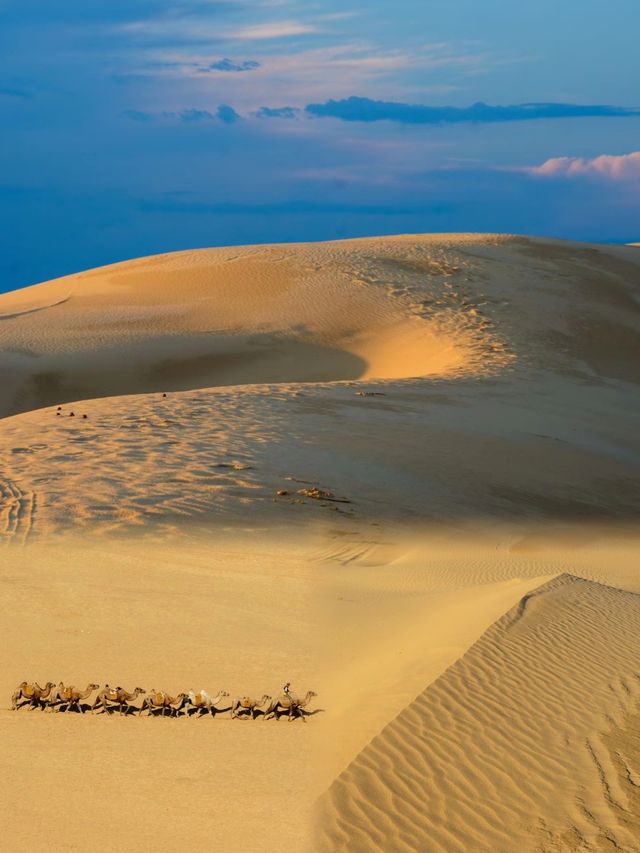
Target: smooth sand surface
(462, 592)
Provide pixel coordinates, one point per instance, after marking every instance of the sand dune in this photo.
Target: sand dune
(227, 317)
(527, 410)
(244, 613)
(373, 308)
(466, 408)
(461, 453)
(511, 748)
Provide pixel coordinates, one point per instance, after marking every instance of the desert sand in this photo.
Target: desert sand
(462, 591)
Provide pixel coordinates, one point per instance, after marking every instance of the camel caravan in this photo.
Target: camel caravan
(107, 700)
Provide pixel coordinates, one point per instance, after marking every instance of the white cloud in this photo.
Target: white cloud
(294, 77)
(273, 30)
(621, 167)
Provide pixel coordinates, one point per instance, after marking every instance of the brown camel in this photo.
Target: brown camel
(289, 703)
(33, 693)
(71, 696)
(158, 700)
(117, 696)
(248, 706)
(54, 695)
(201, 701)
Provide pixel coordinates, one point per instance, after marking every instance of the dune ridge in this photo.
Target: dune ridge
(507, 749)
(375, 308)
(335, 464)
(306, 313)
(481, 376)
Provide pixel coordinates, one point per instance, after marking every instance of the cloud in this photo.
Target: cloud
(273, 30)
(278, 112)
(368, 110)
(138, 115)
(621, 167)
(227, 114)
(192, 115)
(224, 113)
(230, 65)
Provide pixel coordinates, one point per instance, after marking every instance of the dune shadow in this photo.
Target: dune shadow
(218, 361)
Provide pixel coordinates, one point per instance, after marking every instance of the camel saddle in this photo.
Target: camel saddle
(29, 691)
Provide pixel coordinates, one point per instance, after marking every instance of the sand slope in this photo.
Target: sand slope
(171, 618)
(243, 612)
(525, 403)
(452, 452)
(505, 751)
(234, 316)
(425, 305)
(470, 402)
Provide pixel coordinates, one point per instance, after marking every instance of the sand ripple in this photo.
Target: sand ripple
(506, 751)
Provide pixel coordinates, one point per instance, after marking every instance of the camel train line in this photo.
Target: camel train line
(158, 703)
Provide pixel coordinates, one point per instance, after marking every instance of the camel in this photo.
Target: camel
(157, 699)
(71, 696)
(116, 695)
(247, 704)
(33, 693)
(289, 703)
(54, 695)
(203, 702)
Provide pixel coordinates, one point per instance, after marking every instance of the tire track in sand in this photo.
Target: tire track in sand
(17, 511)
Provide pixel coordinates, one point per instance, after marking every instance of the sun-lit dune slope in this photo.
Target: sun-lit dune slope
(433, 305)
(235, 316)
(525, 743)
(527, 407)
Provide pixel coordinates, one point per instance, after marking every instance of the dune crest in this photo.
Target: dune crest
(261, 314)
(508, 748)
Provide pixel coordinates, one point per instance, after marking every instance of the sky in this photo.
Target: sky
(135, 127)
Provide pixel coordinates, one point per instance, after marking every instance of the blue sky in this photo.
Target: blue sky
(130, 128)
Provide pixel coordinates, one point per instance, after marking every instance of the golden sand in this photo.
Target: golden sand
(401, 472)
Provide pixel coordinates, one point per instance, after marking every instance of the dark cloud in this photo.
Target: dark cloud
(224, 113)
(138, 115)
(230, 65)
(278, 112)
(227, 114)
(193, 115)
(368, 110)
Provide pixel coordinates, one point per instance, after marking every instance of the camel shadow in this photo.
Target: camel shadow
(28, 703)
(72, 708)
(205, 712)
(164, 712)
(299, 713)
(127, 711)
(245, 714)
